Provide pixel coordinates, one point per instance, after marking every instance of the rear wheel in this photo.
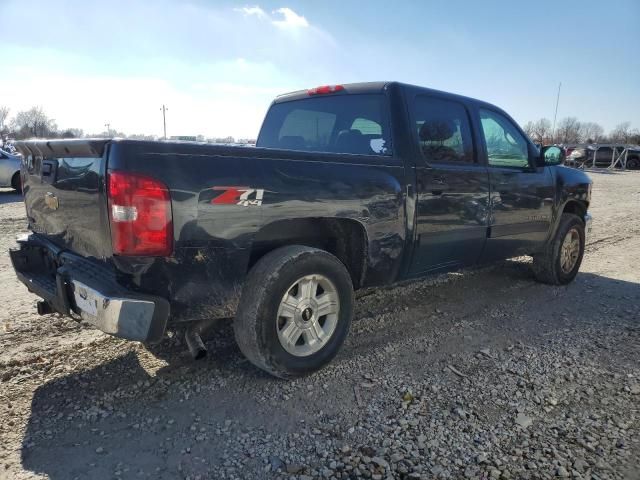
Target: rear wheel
(633, 163)
(559, 263)
(295, 311)
(16, 184)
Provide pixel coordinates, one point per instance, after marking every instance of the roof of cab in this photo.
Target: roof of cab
(379, 87)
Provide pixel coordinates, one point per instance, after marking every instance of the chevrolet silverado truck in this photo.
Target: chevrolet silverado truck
(349, 186)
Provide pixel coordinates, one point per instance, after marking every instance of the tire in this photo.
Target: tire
(260, 329)
(633, 163)
(16, 184)
(548, 265)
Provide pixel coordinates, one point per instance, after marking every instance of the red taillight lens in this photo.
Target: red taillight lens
(140, 215)
(325, 89)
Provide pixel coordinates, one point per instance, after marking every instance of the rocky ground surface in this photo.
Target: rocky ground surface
(478, 374)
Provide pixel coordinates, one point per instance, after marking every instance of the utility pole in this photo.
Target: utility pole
(555, 116)
(164, 119)
(108, 125)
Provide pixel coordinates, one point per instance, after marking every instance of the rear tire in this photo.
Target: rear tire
(633, 163)
(16, 184)
(560, 261)
(280, 325)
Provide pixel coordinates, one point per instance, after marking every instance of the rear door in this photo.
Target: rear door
(64, 193)
(452, 187)
(522, 194)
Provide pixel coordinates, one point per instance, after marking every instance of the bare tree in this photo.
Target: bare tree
(538, 131)
(568, 130)
(4, 114)
(72, 133)
(623, 133)
(591, 132)
(33, 123)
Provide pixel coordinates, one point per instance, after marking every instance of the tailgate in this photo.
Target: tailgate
(64, 193)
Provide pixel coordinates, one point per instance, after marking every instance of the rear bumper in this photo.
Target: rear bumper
(71, 284)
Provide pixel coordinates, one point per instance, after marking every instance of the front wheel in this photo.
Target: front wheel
(560, 261)
(295, 311)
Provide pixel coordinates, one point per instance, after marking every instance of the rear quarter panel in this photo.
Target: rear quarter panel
(214, 239)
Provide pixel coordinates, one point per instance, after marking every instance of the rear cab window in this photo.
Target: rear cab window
(351, 123)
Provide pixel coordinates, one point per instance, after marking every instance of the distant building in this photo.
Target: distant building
(184, 138)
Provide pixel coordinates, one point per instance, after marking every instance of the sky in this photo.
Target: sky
(218, 64)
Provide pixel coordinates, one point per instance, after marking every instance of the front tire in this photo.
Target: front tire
(295, 311)
(560, 261)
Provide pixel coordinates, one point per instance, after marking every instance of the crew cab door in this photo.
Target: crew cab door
(521, 194)
(452, 187)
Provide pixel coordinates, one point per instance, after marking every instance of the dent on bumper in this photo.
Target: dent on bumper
(70, 283)
(129, 318)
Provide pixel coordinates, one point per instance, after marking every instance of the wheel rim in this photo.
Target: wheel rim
(570, 251)
(308, 315)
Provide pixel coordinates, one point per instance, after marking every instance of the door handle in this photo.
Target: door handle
(438, 185)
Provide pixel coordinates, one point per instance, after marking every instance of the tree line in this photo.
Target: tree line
(35, 123)
(570, 130)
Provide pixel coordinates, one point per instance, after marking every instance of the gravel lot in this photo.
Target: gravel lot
(478, 374)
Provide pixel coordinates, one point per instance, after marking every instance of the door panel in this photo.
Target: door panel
(452, 189)
(521, 195)
(452, 215)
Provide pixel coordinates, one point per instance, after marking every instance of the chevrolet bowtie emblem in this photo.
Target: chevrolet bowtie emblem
(51, 201)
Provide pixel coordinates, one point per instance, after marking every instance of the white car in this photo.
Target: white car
(10, 171)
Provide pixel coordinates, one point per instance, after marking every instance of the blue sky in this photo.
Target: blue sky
(217, 65)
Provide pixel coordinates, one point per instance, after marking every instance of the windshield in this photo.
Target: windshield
(354, 124)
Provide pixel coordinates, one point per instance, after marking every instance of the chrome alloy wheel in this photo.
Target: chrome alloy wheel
(570, 250)
(308, 315)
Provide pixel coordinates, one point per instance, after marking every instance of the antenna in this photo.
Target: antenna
(555, 116)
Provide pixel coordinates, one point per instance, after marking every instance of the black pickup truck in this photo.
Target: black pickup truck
(349, 186)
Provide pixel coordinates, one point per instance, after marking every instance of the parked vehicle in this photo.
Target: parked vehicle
(604, 156)
(348, 187)
(10, 171)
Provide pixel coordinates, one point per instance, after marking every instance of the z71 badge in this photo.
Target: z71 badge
(243, 196)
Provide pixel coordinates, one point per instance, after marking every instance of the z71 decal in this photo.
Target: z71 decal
(243, 196)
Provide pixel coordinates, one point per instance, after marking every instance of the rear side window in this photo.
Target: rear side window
(443, 131)
(354, 124)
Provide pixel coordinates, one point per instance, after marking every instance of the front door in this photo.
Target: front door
(521, 194)
(452, 187)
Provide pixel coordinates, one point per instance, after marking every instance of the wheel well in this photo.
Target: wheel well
(577, 208)
(344, 238)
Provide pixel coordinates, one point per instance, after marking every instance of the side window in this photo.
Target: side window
(443, 130)
(506, 147)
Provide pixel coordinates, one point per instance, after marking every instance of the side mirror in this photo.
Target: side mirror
(552, 155)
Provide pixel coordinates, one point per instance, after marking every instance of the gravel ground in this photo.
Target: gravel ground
(478, 374)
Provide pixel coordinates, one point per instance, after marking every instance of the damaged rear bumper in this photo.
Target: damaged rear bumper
(70, 284)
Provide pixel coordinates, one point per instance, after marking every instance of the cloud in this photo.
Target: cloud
(283, 17)
(255, 11)
(290, 19)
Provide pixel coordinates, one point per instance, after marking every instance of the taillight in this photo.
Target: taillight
(325, 89)
(140, 215)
